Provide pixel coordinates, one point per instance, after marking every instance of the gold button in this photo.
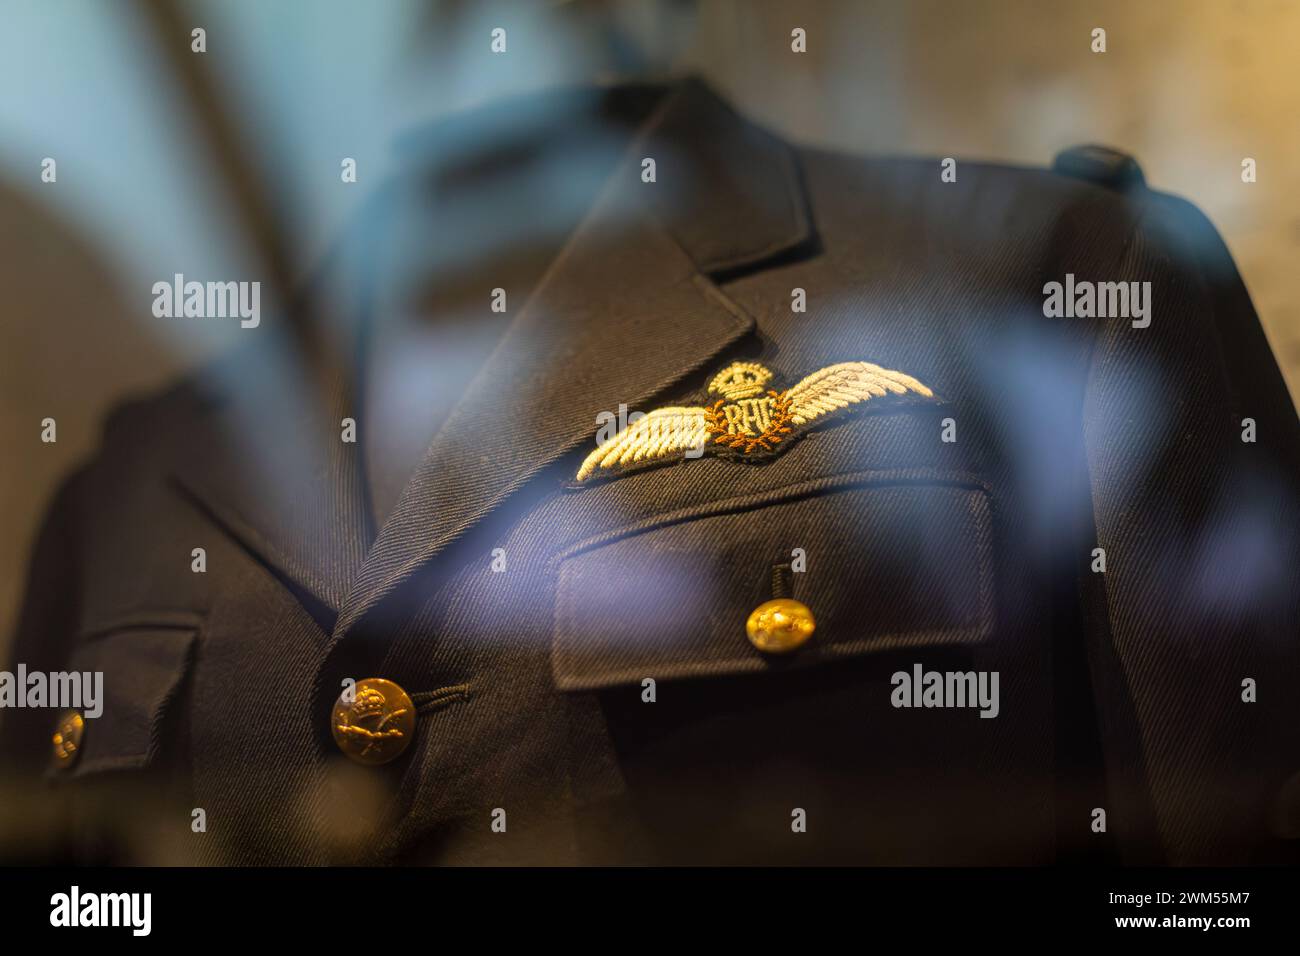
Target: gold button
(377, 724)
(780, 626)
(67, 738)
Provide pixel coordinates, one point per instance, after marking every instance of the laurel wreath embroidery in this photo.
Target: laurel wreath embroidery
(715, 422)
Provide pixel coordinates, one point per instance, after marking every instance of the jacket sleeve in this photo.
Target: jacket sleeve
(1193, 453)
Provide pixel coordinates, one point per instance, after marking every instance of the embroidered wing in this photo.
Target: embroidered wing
(844, 384)
(661, 434)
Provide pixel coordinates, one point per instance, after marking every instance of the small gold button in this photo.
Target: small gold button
(377, 724)
(67, 738)
(780, 626)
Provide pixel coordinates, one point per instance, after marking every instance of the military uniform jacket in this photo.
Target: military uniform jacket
(575, 648)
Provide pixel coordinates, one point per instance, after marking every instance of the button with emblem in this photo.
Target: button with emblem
(373, 722)
(67, 738)
(780, 626)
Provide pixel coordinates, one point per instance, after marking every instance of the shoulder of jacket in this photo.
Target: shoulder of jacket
(1101, 166)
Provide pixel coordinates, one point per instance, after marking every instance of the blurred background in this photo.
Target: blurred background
(226, 164)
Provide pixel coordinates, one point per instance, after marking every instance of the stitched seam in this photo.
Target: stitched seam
(160, 715)
(773, 496)
(139, 620)
(692, 669)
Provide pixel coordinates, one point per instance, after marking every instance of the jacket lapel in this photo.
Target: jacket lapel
(265, 461)
(261, 443)
(624, 313)
(620, 318)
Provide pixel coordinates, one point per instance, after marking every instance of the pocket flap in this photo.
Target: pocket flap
(142, 668)
(887, 567)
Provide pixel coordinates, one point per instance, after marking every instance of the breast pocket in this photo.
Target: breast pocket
(882, 565)
(139, 665)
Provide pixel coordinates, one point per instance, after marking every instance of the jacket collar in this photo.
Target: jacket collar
(625, 311)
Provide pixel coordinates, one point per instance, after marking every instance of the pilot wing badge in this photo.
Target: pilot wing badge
(743, 416)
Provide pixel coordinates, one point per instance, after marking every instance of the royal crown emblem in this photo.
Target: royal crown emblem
(743, 417)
